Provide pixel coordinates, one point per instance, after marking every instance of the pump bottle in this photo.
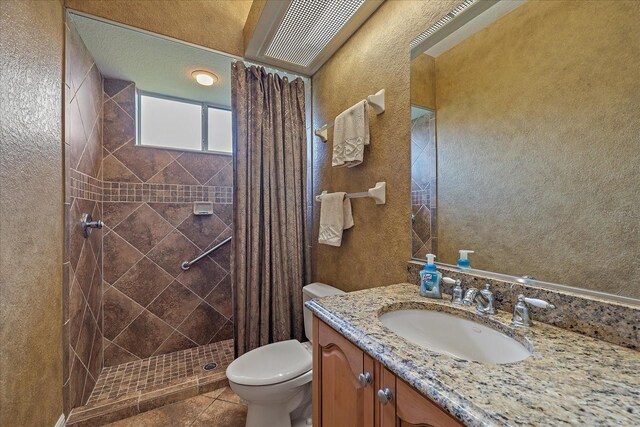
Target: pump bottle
(463, 261)
(430, 279)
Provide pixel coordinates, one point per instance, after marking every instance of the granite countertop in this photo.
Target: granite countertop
(570, 379)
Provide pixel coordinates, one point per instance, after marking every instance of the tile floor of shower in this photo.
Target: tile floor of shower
(167, 390)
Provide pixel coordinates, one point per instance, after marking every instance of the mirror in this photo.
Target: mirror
(525, 141)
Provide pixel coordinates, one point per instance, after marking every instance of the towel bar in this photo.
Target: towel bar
(377, 193)
(377, 103)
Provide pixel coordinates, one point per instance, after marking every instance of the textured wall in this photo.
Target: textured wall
(423, 81)
(151, 306)
(374, 252)
(83, 257)
(538, 145)
(215, 24)
(31, 217)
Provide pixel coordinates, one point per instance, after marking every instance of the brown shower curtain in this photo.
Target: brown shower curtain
(269, 263)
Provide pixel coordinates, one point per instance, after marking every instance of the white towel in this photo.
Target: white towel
(335, 216)
(350, 135)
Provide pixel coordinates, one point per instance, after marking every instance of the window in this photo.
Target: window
(219, 130)
(182, 124)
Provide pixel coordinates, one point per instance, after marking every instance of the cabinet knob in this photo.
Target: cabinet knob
(385, 396)
(365, 379)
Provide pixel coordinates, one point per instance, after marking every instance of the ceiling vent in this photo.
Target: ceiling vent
(467, 18)
(440, 23)
(301, 35)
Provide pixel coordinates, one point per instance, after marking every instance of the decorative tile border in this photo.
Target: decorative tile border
(87, 187)
(84, 186)
(420, 197)
(165, 193)
(605, 320)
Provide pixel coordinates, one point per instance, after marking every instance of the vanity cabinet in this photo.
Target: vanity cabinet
(407, 407)
(351, 389)
(343, 389)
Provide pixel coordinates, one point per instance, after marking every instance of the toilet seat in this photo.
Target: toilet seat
(271, 364)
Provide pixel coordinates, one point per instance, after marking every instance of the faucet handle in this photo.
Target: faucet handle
(469, 296)
(521, 310)
(536, 302)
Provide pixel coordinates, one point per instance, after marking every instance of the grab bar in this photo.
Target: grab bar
(187, 264)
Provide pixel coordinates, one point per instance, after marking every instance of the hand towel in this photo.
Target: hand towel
(335, 216)
(350, 135)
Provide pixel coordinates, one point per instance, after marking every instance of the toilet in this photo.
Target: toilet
(275, 379)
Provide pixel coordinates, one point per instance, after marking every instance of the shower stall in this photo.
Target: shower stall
(135, 321)
(148, 300)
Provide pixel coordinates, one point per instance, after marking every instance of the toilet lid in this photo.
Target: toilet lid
(271, 364)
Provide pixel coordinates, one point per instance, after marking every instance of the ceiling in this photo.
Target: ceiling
(156, 63)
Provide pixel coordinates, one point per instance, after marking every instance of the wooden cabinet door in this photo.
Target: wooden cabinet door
(399, 405)
(413, 409)
(341, 397)
(386, 398)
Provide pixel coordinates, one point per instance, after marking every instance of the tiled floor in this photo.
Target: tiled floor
(149, 385)
(159, 371)
(219, 408)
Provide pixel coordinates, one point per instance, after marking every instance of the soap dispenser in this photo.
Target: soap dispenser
(463, 261)
(430, 279)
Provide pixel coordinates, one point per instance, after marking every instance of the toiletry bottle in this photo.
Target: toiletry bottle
(463, 262)
(430, 279)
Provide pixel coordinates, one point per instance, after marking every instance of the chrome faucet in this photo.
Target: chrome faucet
(456, 291)
(87, 223)
(521, 315)
(469, 296)
(484, 298)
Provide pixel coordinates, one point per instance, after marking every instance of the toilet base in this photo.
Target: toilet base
(276, 405)
(301, 422)
(262, 415)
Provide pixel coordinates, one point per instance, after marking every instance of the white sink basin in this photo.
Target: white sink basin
(451, 335)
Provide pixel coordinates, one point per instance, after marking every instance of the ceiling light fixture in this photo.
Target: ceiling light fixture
(205, 78)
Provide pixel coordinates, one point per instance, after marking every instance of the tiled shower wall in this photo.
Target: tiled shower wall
(82, 299)
(424, 238)
(151, 306)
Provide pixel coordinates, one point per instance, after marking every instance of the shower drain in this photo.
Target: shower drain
(210, 366)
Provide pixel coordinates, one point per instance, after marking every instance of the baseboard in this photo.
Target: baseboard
(60, 422)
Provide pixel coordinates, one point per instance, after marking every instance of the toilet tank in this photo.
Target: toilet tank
(315, 290)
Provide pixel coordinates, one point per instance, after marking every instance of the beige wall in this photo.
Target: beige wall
(375, 251)
(423, 81)
(214, 24)
(31, 216)
(538, 145)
